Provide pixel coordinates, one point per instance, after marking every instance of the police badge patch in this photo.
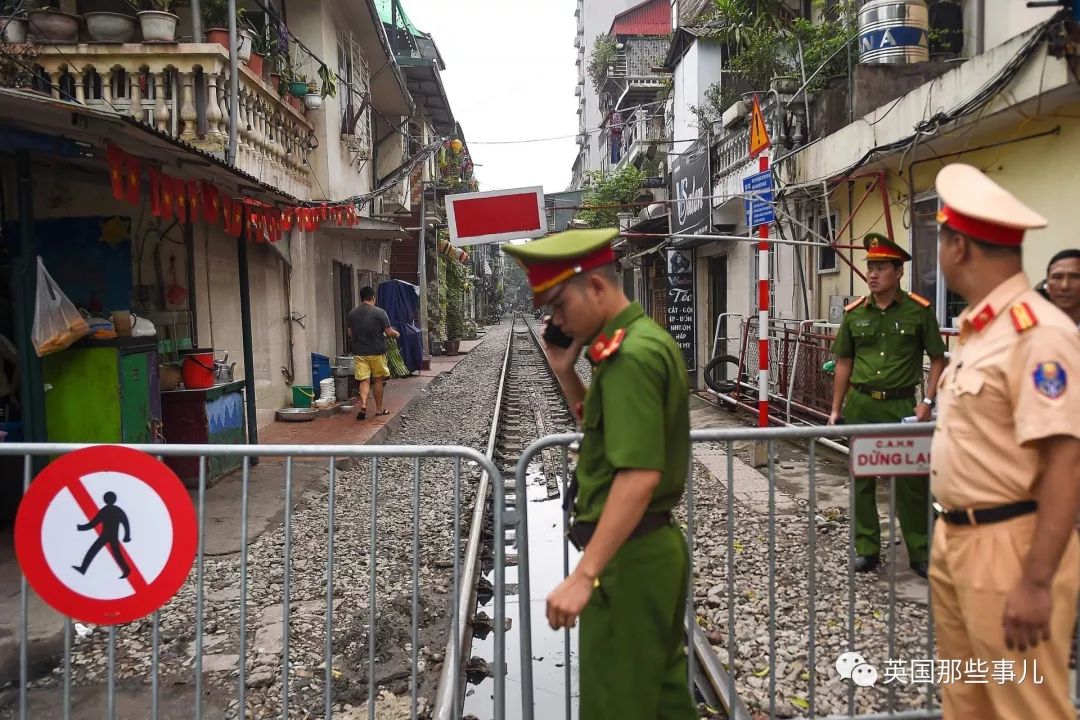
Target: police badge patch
(1050, 379)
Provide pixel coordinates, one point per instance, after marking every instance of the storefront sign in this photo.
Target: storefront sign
(106, 535)
(875, 456)
(690, 189)
(680, 306)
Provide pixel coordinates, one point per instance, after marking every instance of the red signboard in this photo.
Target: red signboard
(477, 218)
(106, 535)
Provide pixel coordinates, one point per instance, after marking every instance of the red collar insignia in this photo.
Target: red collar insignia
(604, 347)
(982, 318)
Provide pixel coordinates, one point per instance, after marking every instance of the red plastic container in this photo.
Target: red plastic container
(198, 368)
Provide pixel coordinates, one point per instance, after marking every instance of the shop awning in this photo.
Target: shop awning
(88, 131)
(368, 229)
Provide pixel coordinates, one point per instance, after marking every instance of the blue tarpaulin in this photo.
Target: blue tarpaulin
(401, 301)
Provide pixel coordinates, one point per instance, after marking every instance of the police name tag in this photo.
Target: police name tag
(877, 455)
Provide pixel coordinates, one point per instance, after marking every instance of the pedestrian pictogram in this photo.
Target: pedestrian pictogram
(106, 535)
(759, 134)
(109, 518)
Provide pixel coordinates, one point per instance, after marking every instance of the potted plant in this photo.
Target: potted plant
(52, 25)
(299, 84)
(158, 24)
(215, 15)
(455, 323)
(110, 27)
(313, 98)
(260, 48)
(12, 23)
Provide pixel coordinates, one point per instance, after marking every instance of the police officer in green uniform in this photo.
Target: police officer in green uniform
(629, 588)
(879, 349)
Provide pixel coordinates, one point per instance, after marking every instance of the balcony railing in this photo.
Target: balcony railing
(182, 90)
(642, 128)
(731, 153)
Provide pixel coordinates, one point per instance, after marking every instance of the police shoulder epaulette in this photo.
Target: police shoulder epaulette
(854, 304)
(605, 347)
(1022, 317)
(919, 299)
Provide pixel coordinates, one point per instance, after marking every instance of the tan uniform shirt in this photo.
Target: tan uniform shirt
(1014, 379)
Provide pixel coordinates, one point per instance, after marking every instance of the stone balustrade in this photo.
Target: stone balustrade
(182, 90)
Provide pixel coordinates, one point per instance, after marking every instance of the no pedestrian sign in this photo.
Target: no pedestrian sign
(874, 456)
(106, 535)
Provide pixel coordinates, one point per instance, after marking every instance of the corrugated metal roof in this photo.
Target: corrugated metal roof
(652, 17)
(692, 11)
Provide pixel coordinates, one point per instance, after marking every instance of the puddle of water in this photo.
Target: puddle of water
(548, 646)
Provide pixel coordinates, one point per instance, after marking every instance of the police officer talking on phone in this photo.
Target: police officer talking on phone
(629, 587)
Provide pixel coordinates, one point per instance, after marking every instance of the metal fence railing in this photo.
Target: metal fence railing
(811, 594)
(799, 385)
(349, 670)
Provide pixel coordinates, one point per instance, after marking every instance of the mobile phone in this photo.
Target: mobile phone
(554, 335)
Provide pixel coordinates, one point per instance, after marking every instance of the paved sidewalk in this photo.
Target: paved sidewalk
(344, 429)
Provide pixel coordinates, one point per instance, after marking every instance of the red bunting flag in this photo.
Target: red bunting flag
(155, 191)
(226, 214)
(117, 169)
(167, 197)
(180, 193)
(211, 203)
(194, 199)
(133, 172)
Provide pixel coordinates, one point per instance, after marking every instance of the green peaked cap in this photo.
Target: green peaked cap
(562, 245)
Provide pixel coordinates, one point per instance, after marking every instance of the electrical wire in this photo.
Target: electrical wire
(932, 125)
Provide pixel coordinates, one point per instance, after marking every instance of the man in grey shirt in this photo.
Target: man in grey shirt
(368, 329)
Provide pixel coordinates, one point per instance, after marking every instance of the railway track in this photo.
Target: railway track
(530, 405)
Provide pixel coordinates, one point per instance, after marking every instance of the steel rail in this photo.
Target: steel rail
(447, 697)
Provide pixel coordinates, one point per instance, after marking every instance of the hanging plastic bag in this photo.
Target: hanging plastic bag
(57, 323)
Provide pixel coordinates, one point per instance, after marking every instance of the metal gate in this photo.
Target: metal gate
(299, 618)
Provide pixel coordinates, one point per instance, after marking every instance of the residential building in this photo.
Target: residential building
(321, 187)
(846, 162)
(593, 21)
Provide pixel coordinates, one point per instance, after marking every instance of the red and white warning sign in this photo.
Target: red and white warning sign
(484, 217)
(106, 535)
(881, 455)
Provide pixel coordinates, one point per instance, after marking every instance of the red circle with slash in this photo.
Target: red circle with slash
(106, 535)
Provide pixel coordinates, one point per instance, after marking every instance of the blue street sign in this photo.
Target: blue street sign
(759, 207)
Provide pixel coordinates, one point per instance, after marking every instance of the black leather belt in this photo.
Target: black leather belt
(986, 516)
(580, 533)
(894, 394)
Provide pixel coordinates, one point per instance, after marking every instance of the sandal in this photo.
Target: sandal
(362, 415)
(384, 412)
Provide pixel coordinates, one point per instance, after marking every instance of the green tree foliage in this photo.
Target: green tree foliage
(763, 43)
(604, 53)
(604, 190)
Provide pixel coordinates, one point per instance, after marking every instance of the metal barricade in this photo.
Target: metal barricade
(300, 598)
(821, 601)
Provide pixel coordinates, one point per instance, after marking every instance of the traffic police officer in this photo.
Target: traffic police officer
(629, 587)
(879, 349)
(1005, 565)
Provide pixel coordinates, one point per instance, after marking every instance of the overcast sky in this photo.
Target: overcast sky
(510, 75)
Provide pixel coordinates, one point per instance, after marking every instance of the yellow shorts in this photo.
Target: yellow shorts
(370, 366)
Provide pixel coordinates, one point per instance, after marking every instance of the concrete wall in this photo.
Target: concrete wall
(338, 175)
(1022, 168)
(1003, 20)
(597, 16)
